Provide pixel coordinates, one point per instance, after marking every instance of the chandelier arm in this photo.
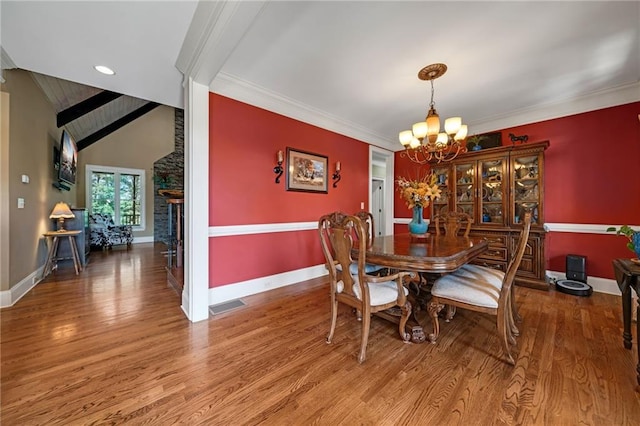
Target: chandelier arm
(412, 154)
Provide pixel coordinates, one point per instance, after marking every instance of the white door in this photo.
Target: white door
(377, 206)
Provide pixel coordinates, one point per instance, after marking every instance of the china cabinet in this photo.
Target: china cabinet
(495, 187)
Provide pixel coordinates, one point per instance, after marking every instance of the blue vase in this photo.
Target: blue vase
(418, 224)
(635, 239)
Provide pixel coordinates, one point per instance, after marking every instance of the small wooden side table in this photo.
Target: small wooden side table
(628, 277)
(53, 250)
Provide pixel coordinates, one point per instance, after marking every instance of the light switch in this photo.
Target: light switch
(21, 203)
(361, 205)
(25, 178)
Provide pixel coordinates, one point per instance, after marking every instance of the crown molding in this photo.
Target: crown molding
(620, 95)
(216, 29)
(230, 86)
(235, 88)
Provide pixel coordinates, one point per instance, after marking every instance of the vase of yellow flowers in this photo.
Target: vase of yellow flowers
(418, 193)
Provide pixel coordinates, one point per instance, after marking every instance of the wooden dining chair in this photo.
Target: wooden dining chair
(452, 223)
(367, 220)
(365, 293)
(482, 289)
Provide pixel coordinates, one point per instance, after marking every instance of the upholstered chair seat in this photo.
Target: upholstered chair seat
(379, 294)
(471, 284)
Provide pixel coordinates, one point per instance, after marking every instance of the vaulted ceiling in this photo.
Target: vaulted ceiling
(350, 67)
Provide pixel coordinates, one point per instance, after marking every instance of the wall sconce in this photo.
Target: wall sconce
(336, 175)
(278, 169)
(515, 138)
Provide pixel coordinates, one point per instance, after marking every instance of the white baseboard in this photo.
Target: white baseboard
(258, 285)
(185, 303)
(140, 240)
(600, 285)
(5, 298)
(10, 297)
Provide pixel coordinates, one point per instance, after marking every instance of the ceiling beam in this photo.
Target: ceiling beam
(91, 139)
(86, 106)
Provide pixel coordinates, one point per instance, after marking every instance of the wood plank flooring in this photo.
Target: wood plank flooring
(112, 346)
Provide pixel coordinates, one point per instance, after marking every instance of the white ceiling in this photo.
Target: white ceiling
(350, 67)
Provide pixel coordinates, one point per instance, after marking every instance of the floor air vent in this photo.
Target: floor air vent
(226, 306)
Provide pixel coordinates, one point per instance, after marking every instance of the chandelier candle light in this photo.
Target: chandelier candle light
(425, 142)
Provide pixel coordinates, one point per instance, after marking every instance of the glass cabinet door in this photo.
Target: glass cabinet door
(441, 205)
(465, 188)
(526, 188)
(493, 191)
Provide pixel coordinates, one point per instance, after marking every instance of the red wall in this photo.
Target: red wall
(243, 142)
(592, 176)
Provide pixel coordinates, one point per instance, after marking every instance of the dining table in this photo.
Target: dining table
(427, 255)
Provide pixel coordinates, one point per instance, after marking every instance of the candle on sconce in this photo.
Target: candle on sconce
(338, 166)
(280, 157)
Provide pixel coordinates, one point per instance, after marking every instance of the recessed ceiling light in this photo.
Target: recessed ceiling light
(104, 70)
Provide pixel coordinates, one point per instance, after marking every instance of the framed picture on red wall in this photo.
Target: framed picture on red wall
(306, 171)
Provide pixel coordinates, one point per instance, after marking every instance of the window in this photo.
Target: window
(118, 192)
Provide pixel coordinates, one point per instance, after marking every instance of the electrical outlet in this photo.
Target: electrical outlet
(21, 203)
(361, 205)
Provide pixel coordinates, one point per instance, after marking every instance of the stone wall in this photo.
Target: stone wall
(172, 166)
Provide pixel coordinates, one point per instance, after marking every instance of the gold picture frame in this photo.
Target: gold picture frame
(306, 171)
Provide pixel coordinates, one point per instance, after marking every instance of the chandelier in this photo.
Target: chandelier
(425, 142)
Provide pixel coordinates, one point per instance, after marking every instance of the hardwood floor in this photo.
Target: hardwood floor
(112, 346)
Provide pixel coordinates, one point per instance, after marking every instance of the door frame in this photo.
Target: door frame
(380, 154)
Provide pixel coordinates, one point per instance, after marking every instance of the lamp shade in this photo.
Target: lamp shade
(405, 137)
(61, 210)
(462, 133)
(420, 129)
(452, 125)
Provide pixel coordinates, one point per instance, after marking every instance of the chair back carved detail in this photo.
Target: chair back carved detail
(367, 219)
(452, 223)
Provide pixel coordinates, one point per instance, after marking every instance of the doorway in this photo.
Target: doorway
(377, 205)
(381, 189)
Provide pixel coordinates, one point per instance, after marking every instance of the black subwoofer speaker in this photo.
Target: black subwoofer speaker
(576, 282)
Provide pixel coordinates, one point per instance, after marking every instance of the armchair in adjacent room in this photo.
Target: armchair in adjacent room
(105, 233)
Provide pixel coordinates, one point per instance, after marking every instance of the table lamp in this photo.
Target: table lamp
(61, 212)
